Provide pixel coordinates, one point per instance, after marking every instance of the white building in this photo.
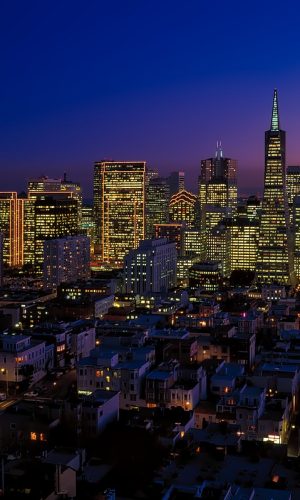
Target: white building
(66, 260)
(151, 267)
(21, 358)
(98, 410)
(105, 370)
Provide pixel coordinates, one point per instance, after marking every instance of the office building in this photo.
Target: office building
(46, 185)
(173, 231)
(66, 260)
(183, 207)
(292, 186)
(87, 224)
(157, 204)
(11, 227)
(244, 236)
(176, 182)
(207, 275)
(195, 243)
(54, 217)
(183, 266)
(275, 256)
(218, 247)
(151, 267)
(1, 259)
(296, 219)
(253, 208)
(119, 209)
(217, 188)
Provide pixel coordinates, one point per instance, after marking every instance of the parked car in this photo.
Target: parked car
(31, 394)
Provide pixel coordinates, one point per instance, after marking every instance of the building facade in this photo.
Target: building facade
(275, 257)
(66, 260)
(183, 208)
(217, 188)
(54, 217)
(157, 204)
(119, 209)
(151, 267)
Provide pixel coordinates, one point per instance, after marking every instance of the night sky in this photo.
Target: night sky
(159, 81)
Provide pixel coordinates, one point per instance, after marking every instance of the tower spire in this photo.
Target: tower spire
(219, 151)
(275, 112)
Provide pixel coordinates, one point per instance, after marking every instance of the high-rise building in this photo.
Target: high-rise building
(151, 267)
(217, 188)
(45, 185)
(244, 236)
(87, 221)
(176, 182)
(1, 259)
(54, 217)
(119, 209)
(11, 228)
(296, 219)
(275, 255)
(292, 186)
(157, 204)
(66, 260)
(183, 207)
(195, 243)
(218, 247)
(253, 208)
(173, 231)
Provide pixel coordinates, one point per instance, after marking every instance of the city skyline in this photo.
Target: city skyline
(197, 75)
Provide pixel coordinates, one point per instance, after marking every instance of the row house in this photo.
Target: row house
(275, 423)
(158, 383)
(281, 378)
(227, 376)
(239, 348)
(250, 408)
(97, 411)
(174, 385)
(105, 370)
(21, 358)
(243, 406)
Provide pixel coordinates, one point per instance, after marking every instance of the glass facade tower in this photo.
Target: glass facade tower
(119, 209)
(275, 257)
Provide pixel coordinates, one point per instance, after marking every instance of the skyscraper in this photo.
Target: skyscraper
(119, 209)
(43, 185)
(55, 216)
(296, 225)
(11, 226)
(292, 187)
(217, 188)
(157, 204)
(176, 182)
(275, 256)
(183, 207)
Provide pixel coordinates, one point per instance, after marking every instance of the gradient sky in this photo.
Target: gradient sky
(160, 81)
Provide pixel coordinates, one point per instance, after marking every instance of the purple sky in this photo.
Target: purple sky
(155, 81)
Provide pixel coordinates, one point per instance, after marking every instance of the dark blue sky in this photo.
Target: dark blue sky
(155, 80)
